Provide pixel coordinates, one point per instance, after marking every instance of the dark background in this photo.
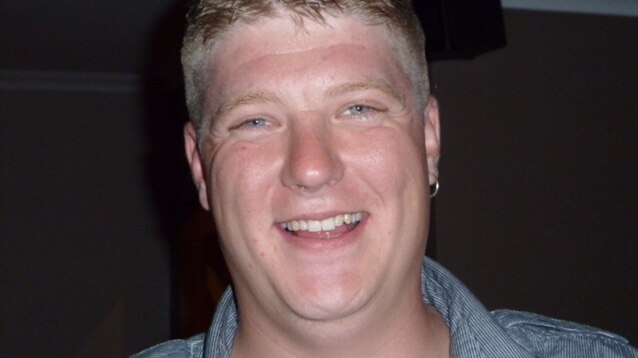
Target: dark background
(538, 208)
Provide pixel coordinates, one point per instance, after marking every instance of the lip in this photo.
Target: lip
(319, 242)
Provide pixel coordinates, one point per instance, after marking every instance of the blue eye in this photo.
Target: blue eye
(358, 109)
(252, 124)
(255, 122)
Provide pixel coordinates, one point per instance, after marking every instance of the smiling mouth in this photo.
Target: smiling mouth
(341, 223)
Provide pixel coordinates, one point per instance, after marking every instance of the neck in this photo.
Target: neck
(409, 329)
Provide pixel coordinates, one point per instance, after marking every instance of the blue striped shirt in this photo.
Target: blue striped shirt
(475, 332)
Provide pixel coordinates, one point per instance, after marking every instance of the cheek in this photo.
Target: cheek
(394, 163)
(240, 176)
(396, 172)
(239, 179)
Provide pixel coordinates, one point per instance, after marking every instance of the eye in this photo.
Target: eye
(257, 123)
(358, 110)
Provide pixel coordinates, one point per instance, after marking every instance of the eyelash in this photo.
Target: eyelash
(361, 111)
(252, 123)
(360, 108)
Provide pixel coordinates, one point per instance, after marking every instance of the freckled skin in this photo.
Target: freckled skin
(311, 159)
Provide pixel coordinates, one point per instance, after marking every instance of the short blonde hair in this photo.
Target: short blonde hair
(207, 20)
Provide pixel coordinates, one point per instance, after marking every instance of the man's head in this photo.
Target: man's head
(314, 157)
(209, 20)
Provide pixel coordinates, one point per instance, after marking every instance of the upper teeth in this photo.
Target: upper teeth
(322, 225)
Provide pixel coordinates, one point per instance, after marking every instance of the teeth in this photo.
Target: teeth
(328, 224)
(323, 225)
(347, 219)
(314, 226)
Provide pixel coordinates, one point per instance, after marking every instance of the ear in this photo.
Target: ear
(432, 138)
(195, 163)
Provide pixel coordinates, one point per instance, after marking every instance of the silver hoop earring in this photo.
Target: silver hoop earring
(436, 188)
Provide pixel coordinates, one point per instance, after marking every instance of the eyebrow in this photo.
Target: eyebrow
(248, 99)
(379, 85)
(335, 91)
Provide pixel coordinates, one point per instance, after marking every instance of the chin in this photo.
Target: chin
(329, 299)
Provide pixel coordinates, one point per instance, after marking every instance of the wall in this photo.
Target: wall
(90, 160)
(85, 271)
(538, 209)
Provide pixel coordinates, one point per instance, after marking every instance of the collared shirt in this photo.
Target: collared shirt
(475, 332)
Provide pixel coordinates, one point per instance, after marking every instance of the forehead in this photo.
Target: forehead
(291, 34)
(277, 52)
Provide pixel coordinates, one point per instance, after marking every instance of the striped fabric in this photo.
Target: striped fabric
(475, 332)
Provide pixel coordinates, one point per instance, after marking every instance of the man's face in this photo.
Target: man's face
(313, 161)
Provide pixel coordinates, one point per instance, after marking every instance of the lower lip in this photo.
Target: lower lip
(322, 243)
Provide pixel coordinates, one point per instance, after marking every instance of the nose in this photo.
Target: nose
(312, 156)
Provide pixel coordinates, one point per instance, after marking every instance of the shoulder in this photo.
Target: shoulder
(178, 348)
(549, 337)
